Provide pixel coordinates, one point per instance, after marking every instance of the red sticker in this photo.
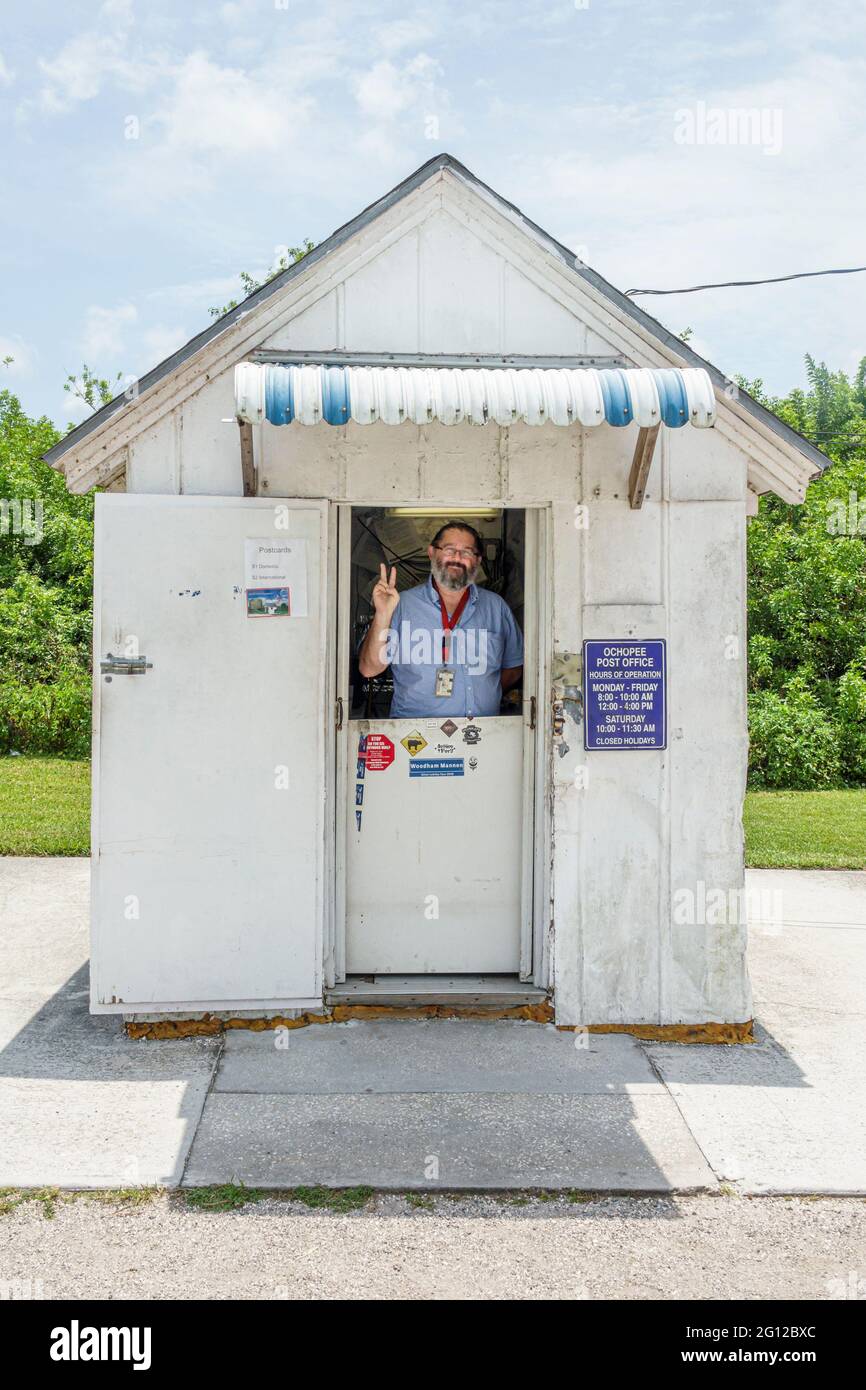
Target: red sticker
(379, 753)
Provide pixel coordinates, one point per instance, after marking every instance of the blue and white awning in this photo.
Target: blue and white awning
(644, 396)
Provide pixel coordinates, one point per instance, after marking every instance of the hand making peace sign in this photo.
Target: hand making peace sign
(385, 595)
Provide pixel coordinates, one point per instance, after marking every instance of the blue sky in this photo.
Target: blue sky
(260, 122)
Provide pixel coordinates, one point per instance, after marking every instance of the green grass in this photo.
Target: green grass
(422, 1200)
(806, 830)
(224, 1197)
(44, 806)
(12, 1197)
(45, 809)
(231, 1196)
(331, 1198)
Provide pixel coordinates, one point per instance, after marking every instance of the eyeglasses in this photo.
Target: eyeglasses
(451, 550)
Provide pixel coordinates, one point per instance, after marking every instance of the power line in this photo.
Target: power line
(775, 280)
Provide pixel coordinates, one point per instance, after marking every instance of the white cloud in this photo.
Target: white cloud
(7, 76)
(119, 10)
(385, 90)
(402, 33)
(707, 197)
(237, 12)
(382, 92)
(195, 293)
(803, 28)
(229, 111)
(657, 214)
(263, 99)
(78, 71)
(161, 341)
(212, 124)
(378, 145)
(72, 409)
(401, 102)
(105, 333)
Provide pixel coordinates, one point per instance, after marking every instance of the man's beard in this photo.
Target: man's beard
(453, 574)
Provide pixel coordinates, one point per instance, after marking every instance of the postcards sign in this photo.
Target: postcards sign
(275, 578)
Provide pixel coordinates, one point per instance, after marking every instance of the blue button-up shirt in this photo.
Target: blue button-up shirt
(485, 640)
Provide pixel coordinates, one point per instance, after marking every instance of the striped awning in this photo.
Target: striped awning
(644, 396)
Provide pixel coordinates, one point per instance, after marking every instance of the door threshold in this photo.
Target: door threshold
(418, 991)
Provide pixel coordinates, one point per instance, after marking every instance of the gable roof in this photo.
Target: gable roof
(788, 437)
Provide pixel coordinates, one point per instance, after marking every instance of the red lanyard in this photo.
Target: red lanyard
(449, 623)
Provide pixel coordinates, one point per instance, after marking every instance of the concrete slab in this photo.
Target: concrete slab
(486, 1141)
(789, 1115)
(497, 1104)
(434, 1055)
(807, 897)
(85, 1105)
(449, 1103)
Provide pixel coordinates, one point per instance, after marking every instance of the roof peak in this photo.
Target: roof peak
(787, 436)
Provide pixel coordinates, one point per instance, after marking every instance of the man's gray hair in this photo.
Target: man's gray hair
(460, 526)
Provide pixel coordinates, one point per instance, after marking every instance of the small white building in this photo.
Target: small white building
(265, 838)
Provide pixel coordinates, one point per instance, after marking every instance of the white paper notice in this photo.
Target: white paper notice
(275, 578)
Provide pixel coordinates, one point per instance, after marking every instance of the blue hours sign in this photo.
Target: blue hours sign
(624, 697)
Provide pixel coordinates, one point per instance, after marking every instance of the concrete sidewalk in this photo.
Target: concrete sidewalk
(437, 1104)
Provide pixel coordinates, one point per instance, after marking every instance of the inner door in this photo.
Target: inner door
(438, 818)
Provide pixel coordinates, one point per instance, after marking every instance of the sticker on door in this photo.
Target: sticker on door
(378, 752)
(436, 767)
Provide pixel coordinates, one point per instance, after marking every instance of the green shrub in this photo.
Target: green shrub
(45, 586)
(46, 718)
(41, 639)
(792, 741)
(851, 722)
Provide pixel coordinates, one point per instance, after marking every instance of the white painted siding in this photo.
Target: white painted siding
(314, 329)
(154, 458)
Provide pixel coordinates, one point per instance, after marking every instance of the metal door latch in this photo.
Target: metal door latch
(558, 718)
(124, 665)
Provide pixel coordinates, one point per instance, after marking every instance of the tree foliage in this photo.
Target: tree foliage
(46, 581)
(92, 389)
(290, 256)
(807, 599)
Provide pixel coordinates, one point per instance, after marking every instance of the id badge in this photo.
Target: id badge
(444, 681)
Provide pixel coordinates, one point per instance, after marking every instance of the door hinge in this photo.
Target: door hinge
(532, 711)
(338, 713)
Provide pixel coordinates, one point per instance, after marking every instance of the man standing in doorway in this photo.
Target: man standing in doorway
(453, 647)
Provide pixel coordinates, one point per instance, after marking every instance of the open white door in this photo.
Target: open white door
(209, 767)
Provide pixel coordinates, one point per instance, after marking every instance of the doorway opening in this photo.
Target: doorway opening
(399, 537)
(436, 809)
